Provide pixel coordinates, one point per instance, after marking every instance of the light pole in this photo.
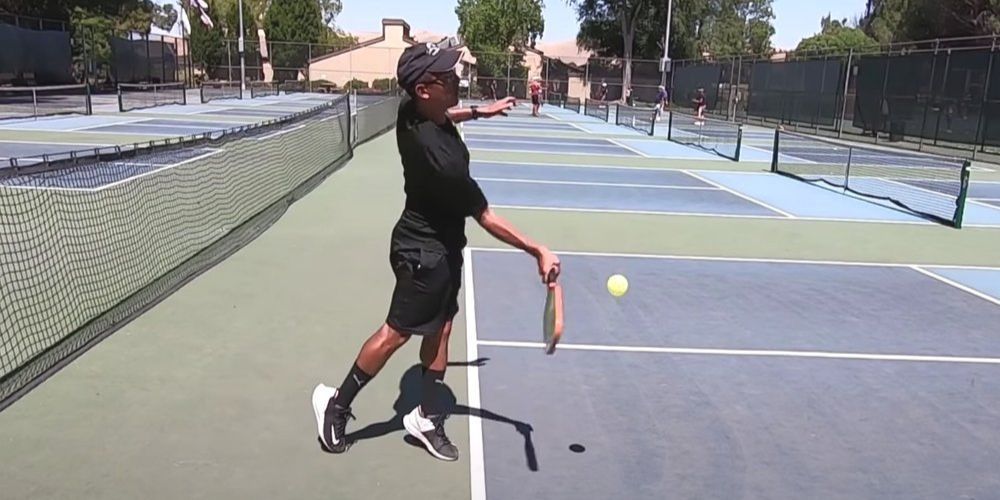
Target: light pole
(665, 63)
(243, 68)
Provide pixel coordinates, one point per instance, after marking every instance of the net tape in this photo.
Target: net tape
(90, 242)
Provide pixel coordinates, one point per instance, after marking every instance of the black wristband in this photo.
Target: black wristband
(475, 112)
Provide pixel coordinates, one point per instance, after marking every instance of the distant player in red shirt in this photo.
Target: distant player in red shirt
(536, 96)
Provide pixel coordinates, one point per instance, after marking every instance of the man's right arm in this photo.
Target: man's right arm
(504, 231)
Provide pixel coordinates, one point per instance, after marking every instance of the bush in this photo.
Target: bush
(384, 84)
(355, 84)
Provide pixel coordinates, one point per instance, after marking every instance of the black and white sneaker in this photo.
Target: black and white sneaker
(331, 419)
(430, 432)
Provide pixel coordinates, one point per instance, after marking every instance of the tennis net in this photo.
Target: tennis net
(263, 89)
(573, 103)
(720, 137)
(639, 119)
(596, 109)
(931, 187)
(90, 243)
(293, 86)
(554, 99)
(211, 91)
(133, 96)
(33, 102)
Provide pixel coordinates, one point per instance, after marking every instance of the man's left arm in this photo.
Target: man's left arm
(498, 108)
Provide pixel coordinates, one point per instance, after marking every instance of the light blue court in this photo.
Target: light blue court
(806, 200)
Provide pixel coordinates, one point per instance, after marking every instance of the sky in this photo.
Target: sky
(794, 19)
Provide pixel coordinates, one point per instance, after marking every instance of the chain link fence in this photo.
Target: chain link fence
(940, 96)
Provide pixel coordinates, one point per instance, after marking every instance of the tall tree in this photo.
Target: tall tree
(739, 27)
(599, 15)
(164, 16)
(910, 20)
(604, 38)
(491, 28)
(837, 37)
(293, 21)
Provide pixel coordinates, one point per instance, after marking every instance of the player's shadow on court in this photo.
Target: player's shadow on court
(410, 395)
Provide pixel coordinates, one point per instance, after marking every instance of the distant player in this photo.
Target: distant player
(662, 101)
(602, 93)
(536, 96)
(700, 102)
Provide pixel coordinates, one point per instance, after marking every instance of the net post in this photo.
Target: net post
(121, 104)
(847, 87)
(652, 124)
(774, 151)
(739, 142)
(89, 104)
(962, 195)
(847, 172)
(34, 103)
(670, 124)
(618, 113)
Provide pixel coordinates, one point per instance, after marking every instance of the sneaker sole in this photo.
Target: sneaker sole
(413, 430)
(319, 409)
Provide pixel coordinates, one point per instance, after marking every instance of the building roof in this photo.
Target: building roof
(372, 41)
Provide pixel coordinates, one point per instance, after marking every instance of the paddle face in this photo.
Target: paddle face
(552, 321)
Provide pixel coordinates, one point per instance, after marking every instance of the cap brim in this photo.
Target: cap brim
(446, 61)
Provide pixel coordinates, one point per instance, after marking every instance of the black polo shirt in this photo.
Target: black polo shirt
(440, 192)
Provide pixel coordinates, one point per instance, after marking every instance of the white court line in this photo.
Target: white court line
(752, 353)
(116, 183)
(763, 260)
(740, 195)
(280, 132)
(477, 459)
(957, 285)
(636, 151)
(986, 199)
(600, 184)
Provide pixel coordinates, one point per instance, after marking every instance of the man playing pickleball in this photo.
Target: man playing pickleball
(426, 247)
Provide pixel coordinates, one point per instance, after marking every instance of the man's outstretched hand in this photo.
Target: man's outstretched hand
(500, 107)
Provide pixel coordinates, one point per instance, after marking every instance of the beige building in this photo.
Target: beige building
(376, 57)
(373, 59)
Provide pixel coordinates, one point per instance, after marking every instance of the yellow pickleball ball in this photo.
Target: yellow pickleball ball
(617, 285)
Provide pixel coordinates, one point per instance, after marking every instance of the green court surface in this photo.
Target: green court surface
(207, 395)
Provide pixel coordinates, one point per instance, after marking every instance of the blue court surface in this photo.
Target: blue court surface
(691, 192)
(730, 378)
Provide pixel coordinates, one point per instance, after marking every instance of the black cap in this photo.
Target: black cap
(423, 58)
